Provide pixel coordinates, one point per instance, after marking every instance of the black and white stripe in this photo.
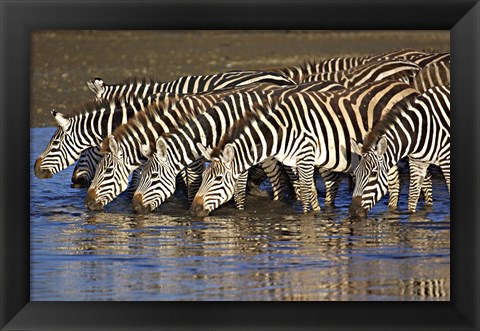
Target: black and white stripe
(421, 131)
(400, 70)
(298, 73)
(433, 74)
(186, 145)
(122, 149)
(142, 88)
(185, 84)
(86, 128)
(304, 130)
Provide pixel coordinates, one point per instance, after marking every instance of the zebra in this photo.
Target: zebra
(400, 70)
(304, 130)
(298, 73)
(121, 150)
(419, 130)
(141, 88)
(85, 128)
(180, 148)
(186, 84)
(433, 74)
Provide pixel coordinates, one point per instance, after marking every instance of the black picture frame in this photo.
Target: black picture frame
(18, 18)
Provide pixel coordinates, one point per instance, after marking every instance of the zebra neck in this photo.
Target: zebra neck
(93, 126)
(247, 156)
(182, 151)
(132, 157)
(402, 138)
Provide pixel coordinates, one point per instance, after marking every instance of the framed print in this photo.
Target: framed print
(71, 262)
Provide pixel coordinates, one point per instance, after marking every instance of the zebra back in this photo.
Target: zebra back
(185, 85)
(298, 73)
(424, 60)
(372, 71)
(433, 74)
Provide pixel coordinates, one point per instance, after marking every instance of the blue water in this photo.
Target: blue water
(269, 251)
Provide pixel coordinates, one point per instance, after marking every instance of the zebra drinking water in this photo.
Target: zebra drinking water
(86, 128)
(122, 149)
(303, 130)
(419, 130)
(179, 149)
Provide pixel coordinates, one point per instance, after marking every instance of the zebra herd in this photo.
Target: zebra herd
(354, 115)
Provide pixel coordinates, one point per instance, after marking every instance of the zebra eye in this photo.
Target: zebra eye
(56, 143)
(219, 177)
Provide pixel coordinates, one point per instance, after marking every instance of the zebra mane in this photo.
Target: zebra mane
(143, 118)
(296, 69)
(136, 80)
(258, 111)
(385, 123)
(88, 107)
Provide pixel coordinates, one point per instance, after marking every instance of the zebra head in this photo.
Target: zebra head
(157, 182)
(61, 151)
(111, 177)
(370, 176)
(85, 168)
(218, 182)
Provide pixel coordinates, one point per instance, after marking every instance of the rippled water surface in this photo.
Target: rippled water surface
(268, 252)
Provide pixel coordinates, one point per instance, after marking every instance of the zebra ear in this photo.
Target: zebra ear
(356, 147)
(161, 147)
(228, 153)
(146, 150)
(113, 145)
(96, 86)
(61, 120)
(206, 152)
(381, 146)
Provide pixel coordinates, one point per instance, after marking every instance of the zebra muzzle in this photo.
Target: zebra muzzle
(79, 181)
(197, 207)
(39, 172)
(356, 210)
(91, 200)
(138, 206)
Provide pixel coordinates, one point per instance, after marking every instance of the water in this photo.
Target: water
(270, 251)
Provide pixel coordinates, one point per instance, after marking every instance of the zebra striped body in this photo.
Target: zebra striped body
(186, 84)
(304, 130)
(141, 89)
(421, 131)
(186, 144)
(400, 70)
(122, 150)
(433, 74)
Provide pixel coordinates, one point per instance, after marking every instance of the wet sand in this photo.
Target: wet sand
(63, 61)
